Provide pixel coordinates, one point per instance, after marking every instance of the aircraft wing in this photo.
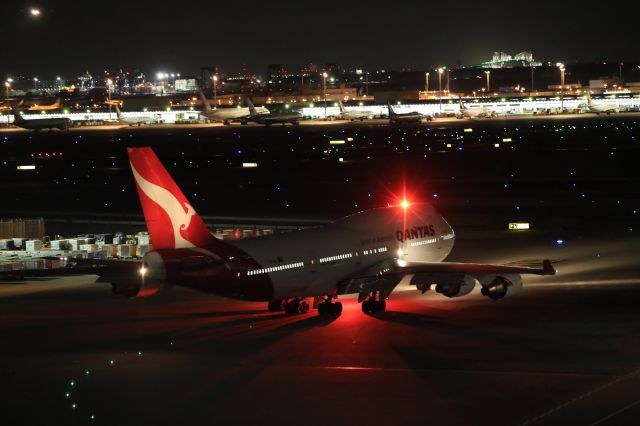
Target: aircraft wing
(386, 275)
(103, 268)
(473, 269)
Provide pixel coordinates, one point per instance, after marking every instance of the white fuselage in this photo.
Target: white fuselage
(224, 114)
(314, 261)
(131, 121)
(356, 115)
(603, 108)
(476, 112)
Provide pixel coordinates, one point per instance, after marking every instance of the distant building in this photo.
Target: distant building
(187, 85)
(505, 60)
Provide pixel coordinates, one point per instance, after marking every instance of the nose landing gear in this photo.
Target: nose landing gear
(374, 303)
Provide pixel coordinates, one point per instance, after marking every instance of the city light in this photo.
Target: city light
(34, 12)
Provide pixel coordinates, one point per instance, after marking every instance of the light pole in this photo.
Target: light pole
(7, 85)
(109, 94)
(488, 73)
(215, 87)
(532, 86)
(562, 88)
(440, 71)
(324, 91)
(620, 69)
(426, 77)
(448, 89)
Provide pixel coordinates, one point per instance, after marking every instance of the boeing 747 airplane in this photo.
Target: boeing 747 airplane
(368, 253)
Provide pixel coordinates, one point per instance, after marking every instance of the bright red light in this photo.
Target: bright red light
(405, 204)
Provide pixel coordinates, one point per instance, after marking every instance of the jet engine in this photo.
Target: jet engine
(137, 290)
(148, 280)
(498, 287)
(456, 287)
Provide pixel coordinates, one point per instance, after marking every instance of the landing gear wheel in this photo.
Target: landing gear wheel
(275, 306)
(292, 307)
(322, 309)
(296, 306)
(373, 306)
(328, 308)
(379, 306)
(303, 307)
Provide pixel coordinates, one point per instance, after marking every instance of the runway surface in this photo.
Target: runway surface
(564, 351)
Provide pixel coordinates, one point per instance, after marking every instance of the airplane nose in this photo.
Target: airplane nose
(154, 266)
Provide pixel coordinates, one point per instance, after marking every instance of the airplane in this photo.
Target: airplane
(273, 118)
(481, 112)
(407, 117)
(226, 115)
(133, 121)
(601, 108)
(368, 253)
(57, 104)
(61, 123)
(354, 115)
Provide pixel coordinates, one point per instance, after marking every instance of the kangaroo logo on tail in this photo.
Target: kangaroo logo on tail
(172, 221)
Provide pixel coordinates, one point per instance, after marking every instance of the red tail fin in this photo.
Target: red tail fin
(171, 220)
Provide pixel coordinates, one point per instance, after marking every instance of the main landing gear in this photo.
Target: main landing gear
(289, 306)
(374, 304)
(301, 306)
(329, 308)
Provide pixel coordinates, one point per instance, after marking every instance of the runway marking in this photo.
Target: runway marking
(584, 396)
(615, 413)
(440, 370)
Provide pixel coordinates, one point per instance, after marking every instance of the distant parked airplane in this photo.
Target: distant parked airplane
(36, 124)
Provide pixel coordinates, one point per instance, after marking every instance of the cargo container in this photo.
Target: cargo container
(143, 238)
(126, 250)
(89, 247)
(33, 245)
(76, 243)
(142, 250)
(7, 245)
(110, 250)
(60, 245)
(19, 243)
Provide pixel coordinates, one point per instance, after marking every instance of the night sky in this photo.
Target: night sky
(70, 36)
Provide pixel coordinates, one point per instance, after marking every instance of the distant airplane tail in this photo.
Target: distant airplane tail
(252, 108)
(341, 106)
(171, 220)
(17, 118)
(589, 100)
(462, 107)
(118, 112)
(57, 104)
(205, 102)
(392, 113)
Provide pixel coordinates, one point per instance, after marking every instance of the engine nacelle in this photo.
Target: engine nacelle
(498, 287)
(137, 290)
(456, 287)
